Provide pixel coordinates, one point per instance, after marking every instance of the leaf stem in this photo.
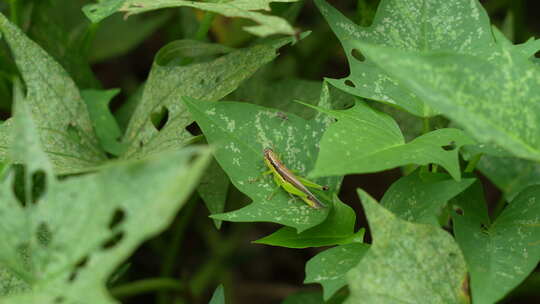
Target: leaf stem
(146, 286)
(14, 11)
(473, 162)
(204, 26)
(427, 125)
(167, 268)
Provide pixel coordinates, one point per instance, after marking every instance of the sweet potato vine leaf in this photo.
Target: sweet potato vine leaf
(267, 24)
(365, 140)
(461, 26)
(55, 103)
(240, 132)
(500, 255)
(407, 262)
(496, 97)
(421, 196)
(329, 268)
(338, 228)
(62, 239)
(160, 119)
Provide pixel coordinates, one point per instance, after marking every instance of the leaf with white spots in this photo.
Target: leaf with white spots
(240, 132)
(338, 228)
(330, 267)
(62, 239)
(160, 119)
(56, 107)
(502, 254)
(461, 26)
(364, 140)
(267, 24)
(421, 196)
(407, 262)
(495, 98)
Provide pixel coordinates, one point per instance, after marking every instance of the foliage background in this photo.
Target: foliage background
(204, 256)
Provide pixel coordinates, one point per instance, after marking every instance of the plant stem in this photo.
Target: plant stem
(14, 6)
(145, 286)
(473, 162)
(427, 126)
(167, 268)
(204, 26)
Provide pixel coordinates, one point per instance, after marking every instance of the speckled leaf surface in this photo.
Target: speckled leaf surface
(56, 106)
(167, 84)
(461, 26)
(108, 214)
(250, 9)
(281, 94)
(501, 255)
(478, 93)
(213, 189)
(364, 140)
(330, 267)
(338, 228)
(239, 132)
(407, 262)
(420, 196)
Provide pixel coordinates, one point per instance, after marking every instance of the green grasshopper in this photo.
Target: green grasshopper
(291, 183)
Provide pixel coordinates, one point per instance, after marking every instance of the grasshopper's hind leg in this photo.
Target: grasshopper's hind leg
(311, 184)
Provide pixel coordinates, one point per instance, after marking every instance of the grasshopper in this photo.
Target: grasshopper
(291, 183)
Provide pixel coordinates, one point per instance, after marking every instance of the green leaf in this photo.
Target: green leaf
(267, 24)
(329, 267)
(407, 25)
(263, 90)
(107, 129)
(511, 175)
(65, 34)
(213, 189)
(219, 296)
(55, 103)
(108, 215)
(501, 255)
(407, 262)
(239, 132)
(166, 85)
(338, 228)
(364, 140)
(115, 36)
(420, 196)
(478, 93)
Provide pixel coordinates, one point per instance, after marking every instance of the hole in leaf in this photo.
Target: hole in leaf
(93, 10)
(218, 79)
(38, 185)
(44, 234)
(159, 118)
(117, 218)
(78, 267)
(450, 147)
(193, 129)
(18, 183)
(141, 144)
(358, 55)
(202, 81)
(350, 83)
(458, 210)
(59, 299)
(113, 240)
(73, 132)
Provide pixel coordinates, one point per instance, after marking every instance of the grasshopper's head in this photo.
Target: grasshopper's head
(268, 153)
